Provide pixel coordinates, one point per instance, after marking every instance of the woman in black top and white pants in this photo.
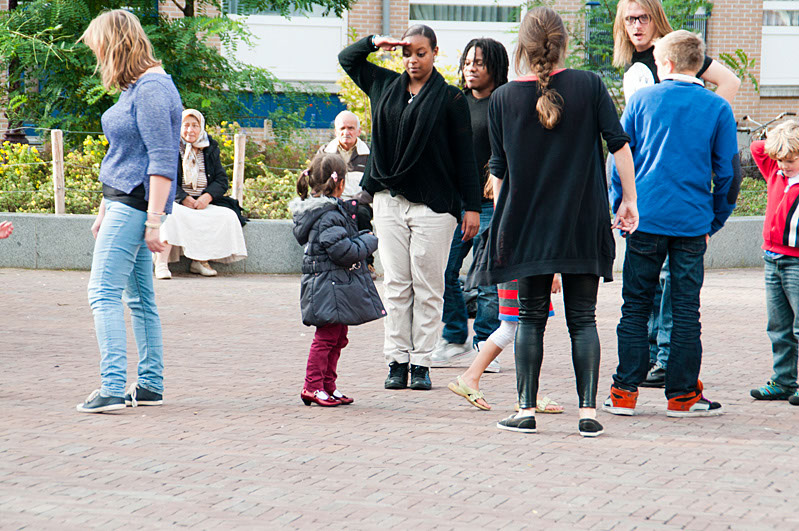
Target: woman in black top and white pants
(422, 174)
(552, 213)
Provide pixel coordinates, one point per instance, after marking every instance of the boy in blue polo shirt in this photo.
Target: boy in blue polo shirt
(681, 134)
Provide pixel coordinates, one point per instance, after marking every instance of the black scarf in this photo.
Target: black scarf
(400, 130)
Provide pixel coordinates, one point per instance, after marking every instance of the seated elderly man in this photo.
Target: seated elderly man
(355, 153)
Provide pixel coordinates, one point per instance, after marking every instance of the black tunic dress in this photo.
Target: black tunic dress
(552, 213)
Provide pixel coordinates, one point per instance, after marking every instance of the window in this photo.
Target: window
(246, 7)
(465, 13)
(779, 71)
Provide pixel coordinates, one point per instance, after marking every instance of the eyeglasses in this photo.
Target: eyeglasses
(642, 19)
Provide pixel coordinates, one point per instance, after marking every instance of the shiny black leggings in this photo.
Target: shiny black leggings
(579, 296)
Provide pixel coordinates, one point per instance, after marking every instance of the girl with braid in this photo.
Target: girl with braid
(552, 212)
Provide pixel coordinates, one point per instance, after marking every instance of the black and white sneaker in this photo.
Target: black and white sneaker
(95, 403)
(139, 396)
(590, 428)
(521, 424)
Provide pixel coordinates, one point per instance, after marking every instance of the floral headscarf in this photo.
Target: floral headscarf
(191, 170)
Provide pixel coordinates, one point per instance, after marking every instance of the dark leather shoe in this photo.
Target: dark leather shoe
(420, 378)
(655, 378)
(397, 376)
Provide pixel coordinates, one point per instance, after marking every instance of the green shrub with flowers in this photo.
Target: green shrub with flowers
(26, 183)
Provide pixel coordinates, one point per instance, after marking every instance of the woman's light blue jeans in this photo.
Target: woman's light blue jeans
(122, 266)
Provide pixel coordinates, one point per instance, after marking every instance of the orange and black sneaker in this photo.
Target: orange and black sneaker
(620, 402)
(693, 404)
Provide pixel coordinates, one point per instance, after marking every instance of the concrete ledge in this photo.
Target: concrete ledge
(47, 241)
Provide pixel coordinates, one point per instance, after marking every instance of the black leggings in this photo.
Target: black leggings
(579, 296)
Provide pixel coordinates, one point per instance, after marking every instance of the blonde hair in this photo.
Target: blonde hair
(683, 48)
(622, 46)
(782, 142)
(122, 48)
(542, 45)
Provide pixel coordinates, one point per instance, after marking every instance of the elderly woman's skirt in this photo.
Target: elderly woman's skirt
(213, 233)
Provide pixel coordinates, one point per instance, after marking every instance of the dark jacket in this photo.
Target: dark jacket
(336, 286)
(217, 184)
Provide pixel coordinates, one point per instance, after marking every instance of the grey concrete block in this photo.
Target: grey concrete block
(66, 243)
(47, 241)
(19, 250)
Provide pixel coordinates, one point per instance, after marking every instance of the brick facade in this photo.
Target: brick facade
(737, 24)
(366, 17)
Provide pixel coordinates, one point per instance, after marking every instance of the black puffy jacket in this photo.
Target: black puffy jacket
(336, 286)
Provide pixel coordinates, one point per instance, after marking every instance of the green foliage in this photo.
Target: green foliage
(289, 7)
(52, 80)
(752, 198)
(740, 63)
(26, 182)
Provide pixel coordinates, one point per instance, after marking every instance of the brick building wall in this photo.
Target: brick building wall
(738, 24)
(366, 17)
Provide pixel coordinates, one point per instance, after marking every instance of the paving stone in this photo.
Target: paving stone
(233, 446)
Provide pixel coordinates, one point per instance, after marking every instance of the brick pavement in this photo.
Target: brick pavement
(234, 448)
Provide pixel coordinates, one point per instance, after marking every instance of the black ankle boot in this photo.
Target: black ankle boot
(420, 378)
(397, 376)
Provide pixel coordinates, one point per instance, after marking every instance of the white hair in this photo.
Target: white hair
(348, 114)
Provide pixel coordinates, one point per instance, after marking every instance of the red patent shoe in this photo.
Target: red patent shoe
(318, 397)
(344, 399)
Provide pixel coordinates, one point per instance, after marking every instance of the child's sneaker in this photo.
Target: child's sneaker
(620, 402)
(771, 391)
(693, 404)
(794, 399)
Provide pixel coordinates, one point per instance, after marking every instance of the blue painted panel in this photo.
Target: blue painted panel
(319, 111)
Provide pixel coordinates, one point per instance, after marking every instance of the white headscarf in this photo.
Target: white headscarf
(191, 170)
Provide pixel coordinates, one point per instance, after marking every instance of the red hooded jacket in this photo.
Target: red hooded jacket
(781, 228)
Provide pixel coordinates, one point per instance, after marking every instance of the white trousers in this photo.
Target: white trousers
(414, 249)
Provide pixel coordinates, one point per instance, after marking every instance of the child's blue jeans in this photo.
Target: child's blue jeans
(782, 307)
(642, 264)
(123, 265)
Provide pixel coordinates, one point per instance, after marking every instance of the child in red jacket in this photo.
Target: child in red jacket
(778, 161)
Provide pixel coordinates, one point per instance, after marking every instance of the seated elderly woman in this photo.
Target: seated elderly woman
(204, 224)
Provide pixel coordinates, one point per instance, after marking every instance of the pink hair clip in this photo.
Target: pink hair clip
(305, 173)
(334, 176)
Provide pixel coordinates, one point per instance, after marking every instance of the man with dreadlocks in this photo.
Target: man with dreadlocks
(483, 68)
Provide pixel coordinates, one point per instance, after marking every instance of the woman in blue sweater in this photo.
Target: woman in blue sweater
(138, 175)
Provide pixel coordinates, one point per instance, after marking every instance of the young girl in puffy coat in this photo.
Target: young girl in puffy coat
(336, 289)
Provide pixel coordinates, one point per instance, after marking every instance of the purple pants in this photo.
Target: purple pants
(323, 358)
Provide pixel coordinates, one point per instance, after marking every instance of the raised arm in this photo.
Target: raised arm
(368, 76)
(726, 82)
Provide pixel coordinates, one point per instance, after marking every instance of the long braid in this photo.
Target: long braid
(542, 43)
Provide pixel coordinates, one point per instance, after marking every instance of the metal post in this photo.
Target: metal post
(239, 143)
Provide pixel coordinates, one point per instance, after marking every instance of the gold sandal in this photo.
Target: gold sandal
(544, 405)
(472, 395)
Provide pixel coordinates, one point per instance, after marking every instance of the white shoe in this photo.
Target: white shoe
(202, 268)
(162, 272)
(494, 365)
(452, 355)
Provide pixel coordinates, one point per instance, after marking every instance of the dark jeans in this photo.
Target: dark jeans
(456, 318)
(579, 297)
(660, 320)
(642, 264)
(323, 357)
